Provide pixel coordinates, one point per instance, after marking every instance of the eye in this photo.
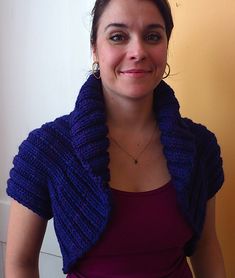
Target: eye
(117, 37)
(153, 37)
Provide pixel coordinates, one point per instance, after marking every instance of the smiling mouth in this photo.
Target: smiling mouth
(135, 72)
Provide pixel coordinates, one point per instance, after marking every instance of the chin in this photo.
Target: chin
(139, 91)
(138, 94)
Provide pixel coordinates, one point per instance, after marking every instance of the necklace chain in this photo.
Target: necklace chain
(134, 158)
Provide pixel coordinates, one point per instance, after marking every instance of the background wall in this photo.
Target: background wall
(44, 59)
(45, 56)
(202, 59)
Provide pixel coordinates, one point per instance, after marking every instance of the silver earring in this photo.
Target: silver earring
(96, 70)
(167, 71)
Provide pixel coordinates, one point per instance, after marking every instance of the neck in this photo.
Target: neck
(129, 114)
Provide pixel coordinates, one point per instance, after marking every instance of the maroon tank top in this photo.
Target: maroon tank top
(145, 238)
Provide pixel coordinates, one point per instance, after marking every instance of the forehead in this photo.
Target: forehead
(131, 12)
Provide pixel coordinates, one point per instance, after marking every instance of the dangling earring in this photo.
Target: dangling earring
(96, 70)
(167, 72)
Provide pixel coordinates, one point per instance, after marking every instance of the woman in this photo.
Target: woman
(131, 185)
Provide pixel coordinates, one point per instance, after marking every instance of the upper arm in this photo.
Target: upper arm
(26, 230)
(209, 229)
(29, 177)
(207, 260)
(208, 235)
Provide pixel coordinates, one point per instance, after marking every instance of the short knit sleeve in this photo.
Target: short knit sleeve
(28, 178)
(207, 177)
(214, 166)
(209, 159)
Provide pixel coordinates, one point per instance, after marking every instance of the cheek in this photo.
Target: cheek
(110, 58)
(161, 55)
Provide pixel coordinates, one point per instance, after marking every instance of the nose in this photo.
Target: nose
(137, 50)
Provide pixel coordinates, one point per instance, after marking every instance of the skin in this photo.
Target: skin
(25, 234)
(207, 261)
(131, 49)
(132, 60)
(132, 54)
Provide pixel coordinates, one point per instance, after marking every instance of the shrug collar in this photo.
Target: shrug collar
(89, 134)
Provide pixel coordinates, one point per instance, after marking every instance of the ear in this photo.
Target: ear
(94, 53)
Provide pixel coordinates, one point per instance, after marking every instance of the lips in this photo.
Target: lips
(135, 73)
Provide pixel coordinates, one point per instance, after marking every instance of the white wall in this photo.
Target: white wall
(44, 58)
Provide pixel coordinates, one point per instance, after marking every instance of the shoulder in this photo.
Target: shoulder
(51, 130)
(208, 155)
(203, 136)
(49, 134)
(45, 145)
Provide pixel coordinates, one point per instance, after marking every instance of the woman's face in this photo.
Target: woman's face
(131, 48)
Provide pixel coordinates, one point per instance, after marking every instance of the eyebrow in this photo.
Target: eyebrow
(148, 27)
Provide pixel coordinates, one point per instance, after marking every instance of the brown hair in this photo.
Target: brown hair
(100, 6)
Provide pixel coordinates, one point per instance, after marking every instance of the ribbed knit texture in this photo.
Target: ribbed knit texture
(61, 169)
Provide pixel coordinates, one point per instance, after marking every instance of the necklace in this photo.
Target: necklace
(136, 157)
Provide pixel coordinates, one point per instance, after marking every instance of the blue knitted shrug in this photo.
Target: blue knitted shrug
(61, 169)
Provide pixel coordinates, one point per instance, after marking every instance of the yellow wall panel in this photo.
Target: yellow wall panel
(202, 60)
